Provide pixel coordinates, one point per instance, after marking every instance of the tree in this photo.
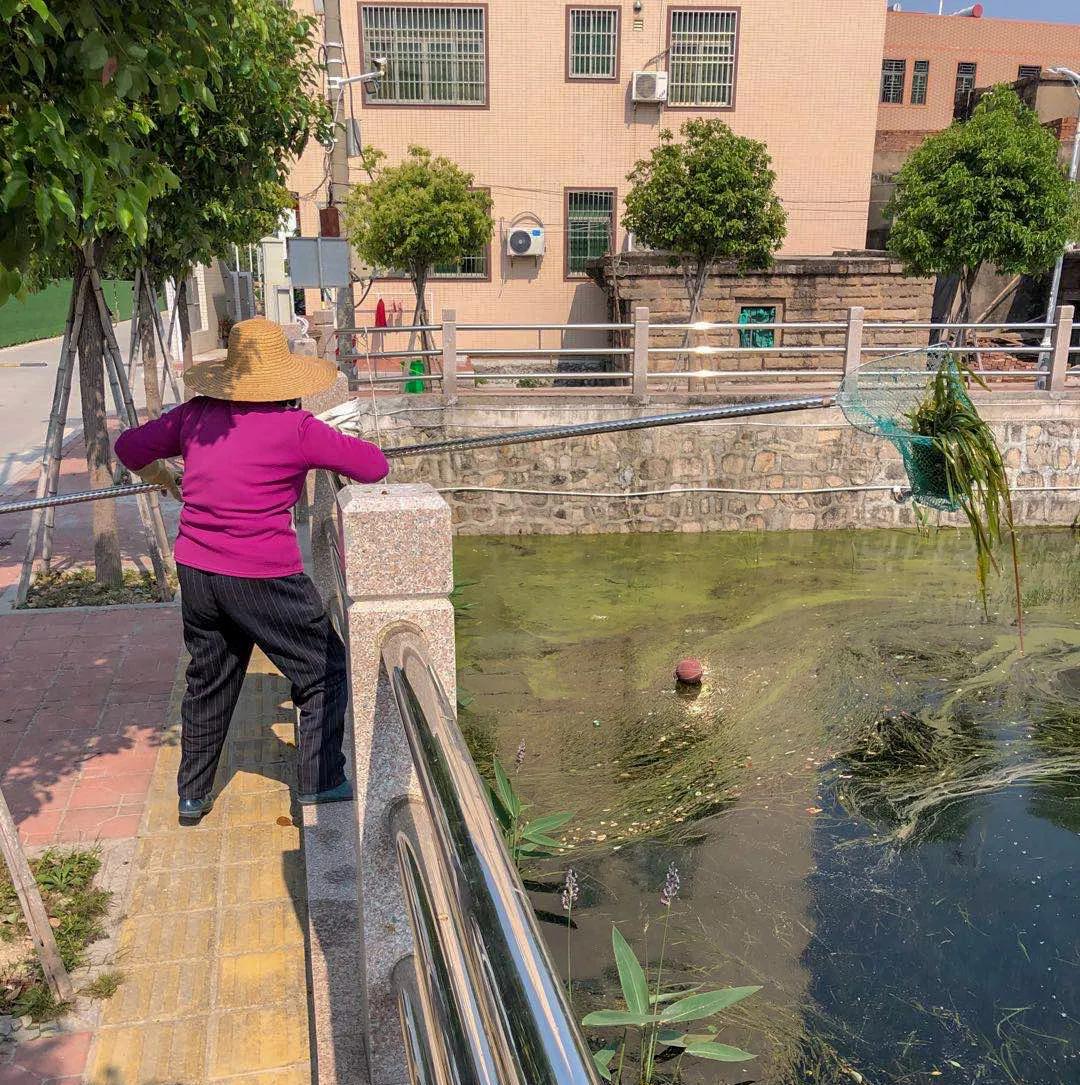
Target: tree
(79, 164)
(708, 198)
(987, 190)
(415, 215)
(232, 157)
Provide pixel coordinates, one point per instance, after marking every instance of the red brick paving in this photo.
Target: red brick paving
(52, 1060)
(82, 714)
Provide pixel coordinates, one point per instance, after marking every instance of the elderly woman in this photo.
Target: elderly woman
(247, 451)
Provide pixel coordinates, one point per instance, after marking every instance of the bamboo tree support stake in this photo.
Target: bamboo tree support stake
(166, 352)
(37, 919)
(149, 509)
(133, 343)
(54, 437)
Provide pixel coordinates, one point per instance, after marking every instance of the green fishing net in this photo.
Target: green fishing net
(880, 397)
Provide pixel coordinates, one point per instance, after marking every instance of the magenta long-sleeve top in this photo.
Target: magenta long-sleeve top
(244, 468)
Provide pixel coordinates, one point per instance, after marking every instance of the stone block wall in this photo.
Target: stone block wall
(800, 471)
(805, 289)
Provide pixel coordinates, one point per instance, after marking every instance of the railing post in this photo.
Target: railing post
(639, 379)
(853, 342)
(396, 559)
(1060, 342)
(449, 355)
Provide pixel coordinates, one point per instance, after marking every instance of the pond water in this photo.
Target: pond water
(873, 802)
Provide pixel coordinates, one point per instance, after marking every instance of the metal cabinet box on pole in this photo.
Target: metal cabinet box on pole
(318, 261)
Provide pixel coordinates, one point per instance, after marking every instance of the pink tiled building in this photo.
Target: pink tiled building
(536, 100)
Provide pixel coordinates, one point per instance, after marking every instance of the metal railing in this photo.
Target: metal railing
(480, 1001)
(854, 341)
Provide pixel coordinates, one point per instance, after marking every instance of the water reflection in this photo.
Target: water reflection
(909, 915)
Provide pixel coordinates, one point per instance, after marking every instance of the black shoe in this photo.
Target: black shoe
(192, 811)
(342, 793)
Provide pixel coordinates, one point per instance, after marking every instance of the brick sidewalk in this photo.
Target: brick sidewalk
(212, 942)
(83, 713)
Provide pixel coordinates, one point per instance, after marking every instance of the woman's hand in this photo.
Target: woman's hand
(159, 473)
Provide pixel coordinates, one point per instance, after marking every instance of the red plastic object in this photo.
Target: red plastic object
(690, 672)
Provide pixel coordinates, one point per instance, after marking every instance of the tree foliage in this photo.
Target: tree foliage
(987, 190)
(79, 86)
(417, 214)
(710, 197)
(232, 160)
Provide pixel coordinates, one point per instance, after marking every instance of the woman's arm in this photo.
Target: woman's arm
(153, 440)
(323, 446)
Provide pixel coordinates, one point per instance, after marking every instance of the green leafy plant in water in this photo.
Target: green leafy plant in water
(975, 479)
(657, 1013)
(525, 839)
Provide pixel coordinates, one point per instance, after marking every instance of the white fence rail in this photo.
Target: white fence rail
(635, 346)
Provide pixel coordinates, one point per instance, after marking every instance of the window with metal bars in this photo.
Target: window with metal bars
(1029, 71)
(473, 266)
(892, 81)
(592, 43)
(434, 55)
(920, 80)
(590, 227)
(702, 50)
(965, 85)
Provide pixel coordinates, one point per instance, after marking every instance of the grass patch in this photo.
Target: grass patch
(76, 909)
(78, 588)
(105, 986)
(41, 315)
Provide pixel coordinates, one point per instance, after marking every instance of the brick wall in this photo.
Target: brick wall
(801, 290)
(1039, 436)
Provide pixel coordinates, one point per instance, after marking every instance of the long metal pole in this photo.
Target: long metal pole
(518, 437)
(1059, 266)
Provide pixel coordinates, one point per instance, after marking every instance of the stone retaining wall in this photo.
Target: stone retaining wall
(768, 455)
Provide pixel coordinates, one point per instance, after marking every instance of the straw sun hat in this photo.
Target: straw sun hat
(258, 367)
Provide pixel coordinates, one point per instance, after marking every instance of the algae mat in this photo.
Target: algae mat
(874, 803)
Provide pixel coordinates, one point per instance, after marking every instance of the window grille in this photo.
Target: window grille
(702, 58)
(593, 43)
(758, 314)
(920, 79)
(473, 266)
(892, 81)
(434, 55)
(590, 227)
(965, 84)
(1029, 71)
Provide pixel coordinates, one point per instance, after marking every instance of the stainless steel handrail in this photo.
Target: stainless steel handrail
(528, 1021)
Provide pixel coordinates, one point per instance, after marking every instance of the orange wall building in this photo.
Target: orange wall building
(929, 62)
(534, 98)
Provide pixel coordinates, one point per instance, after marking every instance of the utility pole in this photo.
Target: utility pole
(337, 187)
(1055, 282)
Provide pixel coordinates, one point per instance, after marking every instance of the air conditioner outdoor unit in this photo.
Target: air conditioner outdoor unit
(649, 87)
(525, 241)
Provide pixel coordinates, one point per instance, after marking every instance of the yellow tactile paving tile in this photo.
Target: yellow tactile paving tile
(148, 1053)
(259, 927)
(212, 939)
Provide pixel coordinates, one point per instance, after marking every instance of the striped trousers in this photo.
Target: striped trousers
(224, 618)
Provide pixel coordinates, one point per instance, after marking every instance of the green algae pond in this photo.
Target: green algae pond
(873, 802)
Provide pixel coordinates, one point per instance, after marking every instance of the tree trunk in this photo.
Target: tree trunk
(107, 567)
(148, 347)
(420, 315)
(695, 287)
(184, 323)
(962, 307)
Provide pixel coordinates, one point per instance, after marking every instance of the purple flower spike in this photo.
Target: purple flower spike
(519, 757)
(671, 886)
(571, 890)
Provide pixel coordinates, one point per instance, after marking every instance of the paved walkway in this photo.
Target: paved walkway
(212, 942)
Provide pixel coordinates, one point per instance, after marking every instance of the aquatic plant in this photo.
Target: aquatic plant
(571, 892)
(964, 453)
(655, 1012)
(524, 839)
